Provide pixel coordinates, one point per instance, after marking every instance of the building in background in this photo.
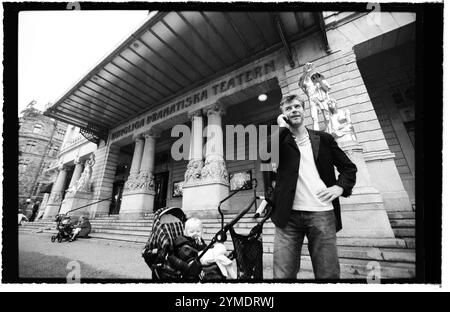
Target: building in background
(209, 68)
(40, 139)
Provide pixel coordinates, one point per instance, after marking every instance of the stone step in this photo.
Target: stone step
(410, 242)
(133, 232)
(347, 241)
(120, 220)
(401, 215)
(404, 232)
(122, 223)
(403, 223)
(122, 227)
(350, 269)
(118, 237)
(107, 216)
(268, 237)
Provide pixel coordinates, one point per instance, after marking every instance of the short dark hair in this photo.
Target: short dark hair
(291, 98)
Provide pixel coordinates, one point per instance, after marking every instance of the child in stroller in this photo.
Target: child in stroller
(188, 246)
(173, 257)
(173, 247)
(64, 227)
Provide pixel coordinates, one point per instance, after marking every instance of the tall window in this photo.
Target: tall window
(59, 134)
(53, 151)
(23, 165)
(37, 128)
(30, 146)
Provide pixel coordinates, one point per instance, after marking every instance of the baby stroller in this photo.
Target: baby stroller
(64, 227)
(159, 252)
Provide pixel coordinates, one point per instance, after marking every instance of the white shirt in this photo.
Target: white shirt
(308, 182)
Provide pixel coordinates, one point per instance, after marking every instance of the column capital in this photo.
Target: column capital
(152, 132)
(77, 160)
(215, 109)
(62, 167)
(196, 113)
(138, 137)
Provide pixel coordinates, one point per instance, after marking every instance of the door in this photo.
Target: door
(116, 200)
(161, 182)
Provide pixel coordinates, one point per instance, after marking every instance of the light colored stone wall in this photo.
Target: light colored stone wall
(106, 160)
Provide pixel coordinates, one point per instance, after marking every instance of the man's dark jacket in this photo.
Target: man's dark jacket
(327, 155)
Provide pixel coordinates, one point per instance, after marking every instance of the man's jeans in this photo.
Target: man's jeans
(320, 229)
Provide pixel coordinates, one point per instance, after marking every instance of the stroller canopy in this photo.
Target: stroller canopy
(167, 226)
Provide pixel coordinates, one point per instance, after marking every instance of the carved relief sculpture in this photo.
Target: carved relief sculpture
(144, 181)
(84, 183)
(131, 182)
(194, 171)
(215, 169)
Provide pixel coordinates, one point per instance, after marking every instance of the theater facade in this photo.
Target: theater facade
(182, 74)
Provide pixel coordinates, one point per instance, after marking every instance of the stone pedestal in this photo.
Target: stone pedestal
(363, 213)
(135, 204)
(202, 199)
(385, 177)
(51, 210)
(76, 200)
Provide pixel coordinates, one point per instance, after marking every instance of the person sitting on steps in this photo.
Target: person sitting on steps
(82, 229)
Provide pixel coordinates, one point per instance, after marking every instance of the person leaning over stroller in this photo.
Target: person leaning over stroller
(306, 194)
(82, 229)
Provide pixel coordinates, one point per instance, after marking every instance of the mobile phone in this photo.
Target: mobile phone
(286, 119)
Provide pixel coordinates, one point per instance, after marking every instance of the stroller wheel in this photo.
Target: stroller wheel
(60, 239)
(53, 238)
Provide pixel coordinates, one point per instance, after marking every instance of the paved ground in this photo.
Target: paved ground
(40, 258)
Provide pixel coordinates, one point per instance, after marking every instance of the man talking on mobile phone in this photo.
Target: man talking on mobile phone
(306, 194)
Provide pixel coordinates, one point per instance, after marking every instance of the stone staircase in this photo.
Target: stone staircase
(403, 224)
(394, 257)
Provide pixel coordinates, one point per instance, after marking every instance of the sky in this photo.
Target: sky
(58, 48)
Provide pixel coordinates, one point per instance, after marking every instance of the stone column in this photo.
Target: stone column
(135, 163)
(139, 194)
(195, 165)
(148, 157)
(214, 168)
(55, 198)
(213, 185)
(76, 173)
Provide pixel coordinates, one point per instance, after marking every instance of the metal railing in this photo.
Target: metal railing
(102, 200)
